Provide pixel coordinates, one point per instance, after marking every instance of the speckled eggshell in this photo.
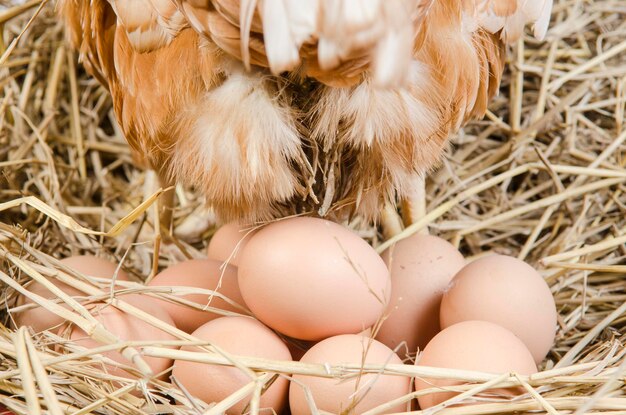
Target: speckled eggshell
(311, 279)
(228, 243)
(207, 274)
(334, 395)
(41, 319)
(473, 345)
(421, 268)
(507, 292)
(240, 336)
(128, 327)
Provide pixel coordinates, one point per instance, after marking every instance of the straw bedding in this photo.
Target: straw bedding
(541, 177)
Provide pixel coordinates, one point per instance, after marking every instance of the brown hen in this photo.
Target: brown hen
(275, 107)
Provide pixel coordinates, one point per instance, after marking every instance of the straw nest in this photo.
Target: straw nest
(541, 177)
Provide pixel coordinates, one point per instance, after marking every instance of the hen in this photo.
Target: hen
(275, 107)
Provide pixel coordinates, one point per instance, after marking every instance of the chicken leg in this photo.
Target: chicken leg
(391, 222)
(162, 214)
(414, 206)
(166, 206)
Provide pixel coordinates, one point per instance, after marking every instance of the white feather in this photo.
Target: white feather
(357, 14)
(280, 47)
(385, 28)
(303, 19)
(144, 41)
(392, 58)
(193, 16)
(371, 115)
(170, 17)
(490, 22)
(242, 143)
(346, 26)
(535, 12)
(514, 27)
(327, 53)
(541, 25)
(141, 21)
(395, 52)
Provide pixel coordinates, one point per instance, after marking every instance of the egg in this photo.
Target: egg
(41, 319)
(311, 279)
(243, 336)
(228, 243)
(472, 345)
(337, 395)
(507, 292)
(94, 267)
(207, 274)
(421, 268)
(131, 328)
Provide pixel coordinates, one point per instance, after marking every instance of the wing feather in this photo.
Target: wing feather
(149, 24)
(91, 31)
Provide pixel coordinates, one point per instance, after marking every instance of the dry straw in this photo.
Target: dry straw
(541, 178)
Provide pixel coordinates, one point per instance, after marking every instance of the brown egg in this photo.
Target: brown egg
(310, 279)
(421, 268)
(127, 327)
(507, 292)
(41, 319)
(228, 242)
(242, 336)
(335, 395)
(94, 267)
(473, 345)
(201, 273)
(298, 348)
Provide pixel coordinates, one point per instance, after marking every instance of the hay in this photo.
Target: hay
(541, 177)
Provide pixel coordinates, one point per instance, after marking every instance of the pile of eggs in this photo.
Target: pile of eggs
(311, 290)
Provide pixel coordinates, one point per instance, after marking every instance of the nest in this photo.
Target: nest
(541, 178)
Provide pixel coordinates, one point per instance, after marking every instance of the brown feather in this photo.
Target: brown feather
(259, 145)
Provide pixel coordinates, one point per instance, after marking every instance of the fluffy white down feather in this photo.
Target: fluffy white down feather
(236, 154)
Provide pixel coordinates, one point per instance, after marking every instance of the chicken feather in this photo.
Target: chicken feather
(510, 17)
(274, 107)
